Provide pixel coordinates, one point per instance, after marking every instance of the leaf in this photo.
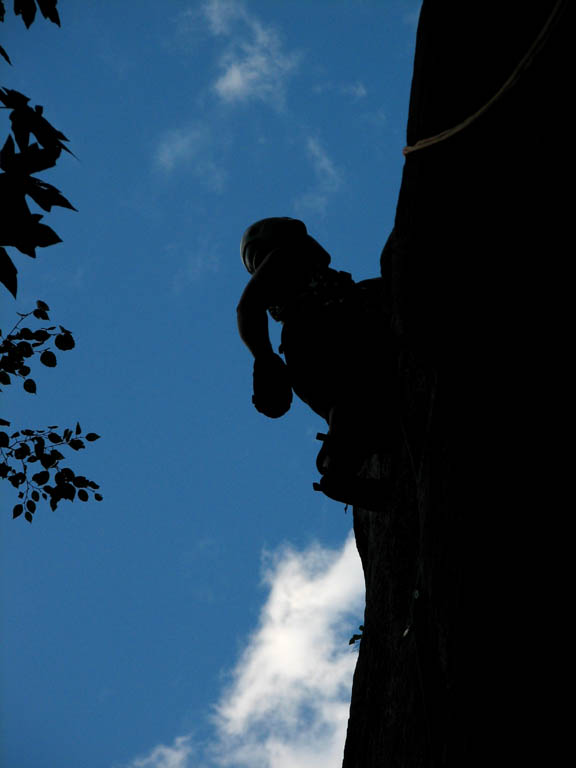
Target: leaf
(4, 440)
(24, 348)
(7, 153)
(48, 359)
(49, 460)
(17, 479)
(42, 305)
(17, 511)
(4, 423)
(64, 475)
(28, 516)
(41, 315)
(4, 378)
(83, 495)
(91, 436)
(5, 55)
(80, 481)
(35, 495)
(22, 451)
(48, 10)
(8, 273)
(54, 437)
(26, 9)
(30, 386)
(30, 506)
(45, 236)
(45, 195)
(12, 98)
(78, 428)
(76, 444)
(41, 478)
(20, 119)
(34, 160)
(64, 341)
(98, 497)
(66, 491)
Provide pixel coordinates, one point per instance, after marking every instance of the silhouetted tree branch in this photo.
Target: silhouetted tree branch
(33, 145)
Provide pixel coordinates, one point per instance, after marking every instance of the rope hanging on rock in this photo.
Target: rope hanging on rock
(525, 62)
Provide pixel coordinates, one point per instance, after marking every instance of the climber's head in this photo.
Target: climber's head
(267, 234)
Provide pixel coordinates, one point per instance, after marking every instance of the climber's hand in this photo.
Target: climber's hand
(272, 390)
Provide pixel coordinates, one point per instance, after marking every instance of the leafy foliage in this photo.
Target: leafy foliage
(30, 459)
(27, 450)
(18, 347)
(34, 146)
(21, 450)
(20, 228)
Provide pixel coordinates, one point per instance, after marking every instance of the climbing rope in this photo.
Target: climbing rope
(525, 62)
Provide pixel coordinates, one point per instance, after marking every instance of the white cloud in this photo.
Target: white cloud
(191, 148)
(162, 756)
(254, 64)
(355, 90)
(221, 14)
(287, 706)
(287, 702)
(328, 179)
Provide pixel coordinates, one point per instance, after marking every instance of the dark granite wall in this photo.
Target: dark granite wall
(479, 269)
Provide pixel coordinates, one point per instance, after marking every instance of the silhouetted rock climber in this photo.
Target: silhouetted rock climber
(332, 342)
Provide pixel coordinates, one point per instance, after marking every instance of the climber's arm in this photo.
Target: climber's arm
(272, 390)
(263, 290)
(253, 322)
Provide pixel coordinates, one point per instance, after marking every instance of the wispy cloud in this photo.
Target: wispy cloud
(328, 179)
(200, 259)
(176, 756)
(355, 90)
(254, 65)
(287, 702)
(191, 148)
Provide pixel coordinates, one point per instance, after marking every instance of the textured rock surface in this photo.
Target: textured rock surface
(480, 290)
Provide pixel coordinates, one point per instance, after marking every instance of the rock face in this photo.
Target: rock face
(463, 569)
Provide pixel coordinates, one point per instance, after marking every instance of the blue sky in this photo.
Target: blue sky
(200, 615)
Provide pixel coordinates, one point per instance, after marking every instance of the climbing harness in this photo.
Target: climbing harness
(325, 288)
(525, 62)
